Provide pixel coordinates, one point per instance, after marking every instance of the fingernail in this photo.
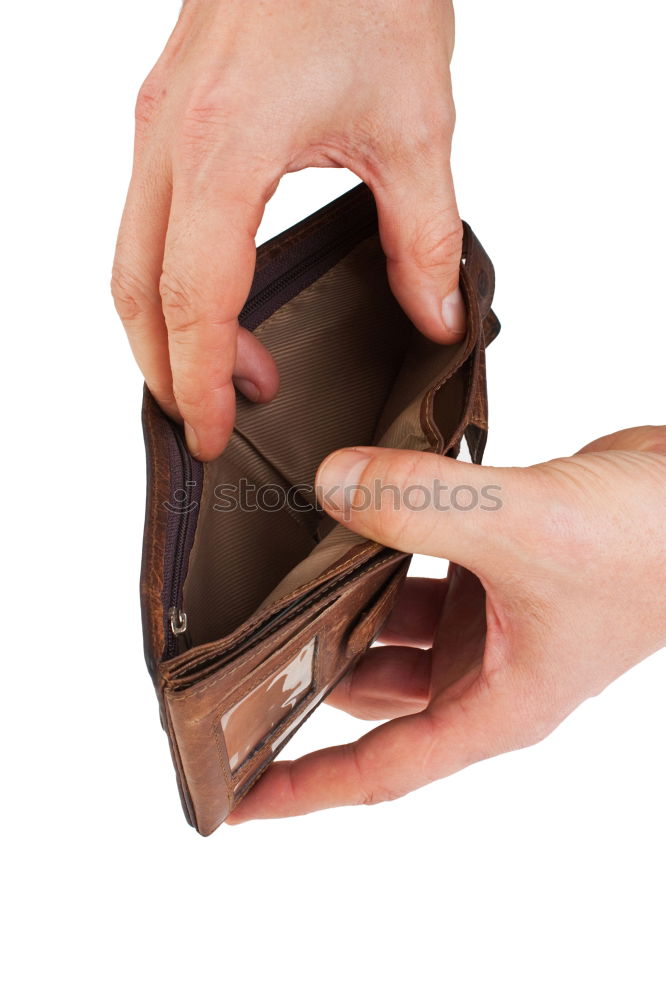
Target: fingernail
(453, 313)
(249, 389)
(338, 476)
(192, 440)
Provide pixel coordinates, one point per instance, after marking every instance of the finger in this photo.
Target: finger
(421, 234)
(477, 516)
(389, 761)
(208, 269)
(389, 681)
(470, 717)
(136, 275)
(413, 619)
(255, 373)
(357, 773)
(461, 634)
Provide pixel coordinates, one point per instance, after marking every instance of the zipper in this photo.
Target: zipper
(348, 232)
(311, 267)
(183, 519)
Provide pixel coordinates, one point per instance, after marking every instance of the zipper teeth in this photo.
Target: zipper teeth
(352, 234)
(184, 519)
(172, 642)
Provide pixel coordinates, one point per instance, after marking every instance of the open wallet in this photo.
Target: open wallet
(254, 601)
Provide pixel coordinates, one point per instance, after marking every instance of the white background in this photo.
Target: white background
(539, 874)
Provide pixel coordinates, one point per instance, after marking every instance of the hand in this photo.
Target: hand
(563, 589)
(245, 92)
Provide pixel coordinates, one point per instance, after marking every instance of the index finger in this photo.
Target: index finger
(207, 273)
(136, 272)
(455, 730)
(384, 764)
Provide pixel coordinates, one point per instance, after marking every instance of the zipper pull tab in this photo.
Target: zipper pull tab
(177, 621)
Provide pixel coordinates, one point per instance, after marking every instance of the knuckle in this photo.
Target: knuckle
(385, 489)
(437, 241)
(162, 393)
(375, 796)
(187, 393)
(556, 523)
(532, 729)
(129, 294)
(211, 125)
(203, 114)
(192, 387)
(205, 124)
(370, 793)
(431, 131)
(148, 103)
(199, 355)
(196, 383)
(179, 302)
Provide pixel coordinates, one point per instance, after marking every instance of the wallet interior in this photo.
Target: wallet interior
(354, 371)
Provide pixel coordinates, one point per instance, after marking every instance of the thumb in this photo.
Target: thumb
(419, 502)
(421, 235)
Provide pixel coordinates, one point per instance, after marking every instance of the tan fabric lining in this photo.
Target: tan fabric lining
(353, 371)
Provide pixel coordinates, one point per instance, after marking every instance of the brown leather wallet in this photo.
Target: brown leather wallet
(255, 602)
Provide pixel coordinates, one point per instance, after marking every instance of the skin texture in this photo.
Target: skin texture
(548, 600)
(244, 92)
